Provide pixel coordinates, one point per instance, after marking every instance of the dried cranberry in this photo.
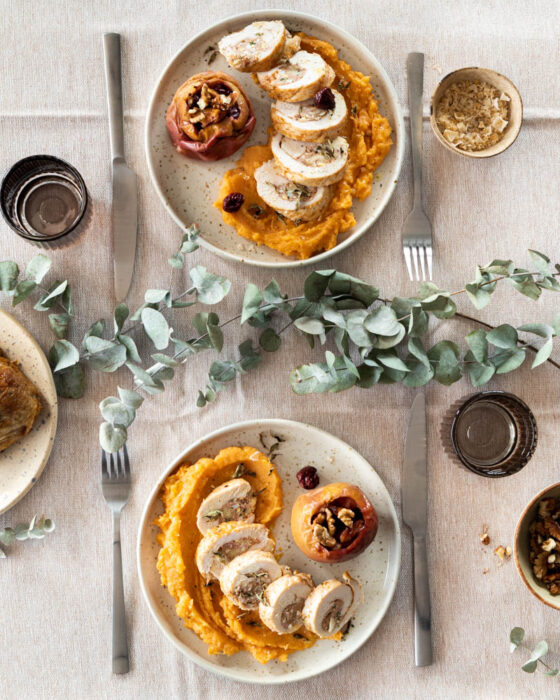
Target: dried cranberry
(221, 89)
(308, 478)
(324, 99)
(234, 111)
(233, 202)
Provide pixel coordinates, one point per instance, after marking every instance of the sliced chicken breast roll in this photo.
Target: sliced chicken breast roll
(304, 121)
(331, 605)
(298, 78)
(223, 543)
(246, 577)
(282, 605)
(257, 47)
(233, 500)
(292, 200)
(309, 163)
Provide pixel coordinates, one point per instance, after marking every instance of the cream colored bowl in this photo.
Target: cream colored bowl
(521, 548)
(498, 81)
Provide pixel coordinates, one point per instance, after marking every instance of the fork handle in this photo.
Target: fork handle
(120, 643)
(415, 76)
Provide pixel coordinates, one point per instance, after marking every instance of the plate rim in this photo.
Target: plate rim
(399, 130)
(54, 410)
(186, 651)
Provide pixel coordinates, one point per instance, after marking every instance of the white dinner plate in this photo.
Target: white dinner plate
(188, 188)
(22, 463)
(377, 568)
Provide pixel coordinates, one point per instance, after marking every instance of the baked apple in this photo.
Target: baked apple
(333, 523)
(210, 116)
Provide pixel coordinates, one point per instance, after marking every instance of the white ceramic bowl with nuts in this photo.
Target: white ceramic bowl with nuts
(497, 81)
(521, 548)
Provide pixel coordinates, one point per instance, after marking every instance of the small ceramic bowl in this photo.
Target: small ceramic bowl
(521, 548)
(498, 81)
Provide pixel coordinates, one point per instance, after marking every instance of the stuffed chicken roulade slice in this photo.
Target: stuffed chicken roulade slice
(210, 116)
(258, 46)
(309, 163)
(304, 121)
(246, 577)
(282, 606)
(331, 605)
(233, 500)
(297, 78)
(223, 543)
(292, 200)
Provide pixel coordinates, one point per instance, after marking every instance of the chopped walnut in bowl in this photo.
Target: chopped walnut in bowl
(537, 546)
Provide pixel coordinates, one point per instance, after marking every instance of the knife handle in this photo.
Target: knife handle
(422, 611)
(112, 52)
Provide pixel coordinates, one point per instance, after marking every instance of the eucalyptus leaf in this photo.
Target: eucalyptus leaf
(383, 343)
(541, 329)
(116, 412)
(508, 360)
(37, 268)
(141, 376)
(419, 373)
(356, 330)
(382, 321)
(445, 357)
(316, 284)
(249, 358)
(211, 289)
(516, 636)
(222, 371)
(251, 302)
(112, 437)
(59, 324)
(272, 294)
(525, 284)
(9, 273)
(130, 346)
(541, 262)
(504, 336)
(478, 295)
(216, 337)
(269, 340)
(416, 349)
(177, 260)
(316, 378)
(62, 355)
(120, 315)
(417, 322)
(104, 355)
(165, 359)
(478, 344)
(156, 327)
(22, 291)
(155, 296)
(479, 372)
(543, 354)
(313, 326)
(341, 283)
(49, 299)
(71, 382)
(130, 398)
(96, 329)
(392, 360)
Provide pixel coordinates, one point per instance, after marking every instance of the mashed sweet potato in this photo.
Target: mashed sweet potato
(369, 136)
(225, 628)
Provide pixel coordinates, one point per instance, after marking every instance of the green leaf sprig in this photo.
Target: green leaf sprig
(516, 637)
(36, 529)
(368, 339)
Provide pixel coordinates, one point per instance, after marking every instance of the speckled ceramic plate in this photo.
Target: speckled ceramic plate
(22, 463)
(188, 188)
(377, 568)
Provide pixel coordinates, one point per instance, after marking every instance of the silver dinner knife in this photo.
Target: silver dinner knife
(414, 493)
(125, 202)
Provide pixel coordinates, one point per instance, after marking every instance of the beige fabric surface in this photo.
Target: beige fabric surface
(55, 609)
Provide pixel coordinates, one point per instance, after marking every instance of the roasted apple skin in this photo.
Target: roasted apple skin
(336, 497)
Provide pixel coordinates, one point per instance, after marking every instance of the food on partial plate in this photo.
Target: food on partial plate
(297, 78)
(318, 119)
(227, 582)
(331, 605)
(309, 163)
(234, 500)
(333, 523)
(472, 115)
(224, 542)
(258, 47)
(282, 604)
(210, 116)
(245, 579)
(20, 403)
(320, 99)
(544, 545)
(290, 199)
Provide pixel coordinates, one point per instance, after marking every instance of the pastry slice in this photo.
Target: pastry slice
(245, 578)
(292, 200)
(310, 163)
(283, 601)
(304, 121)
(331, 605)
(257, 47)
(233, 500)
(298, 78)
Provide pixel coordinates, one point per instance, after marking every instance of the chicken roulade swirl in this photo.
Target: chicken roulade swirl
(210, 116)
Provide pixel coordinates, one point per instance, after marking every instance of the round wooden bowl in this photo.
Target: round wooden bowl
(521, 548)
(500, 82)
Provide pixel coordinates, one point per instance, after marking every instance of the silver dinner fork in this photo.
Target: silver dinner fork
(417, 229)
(115, 484)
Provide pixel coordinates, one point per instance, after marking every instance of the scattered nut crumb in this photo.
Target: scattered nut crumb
(485, 570)
(484, 536)
(503, 553)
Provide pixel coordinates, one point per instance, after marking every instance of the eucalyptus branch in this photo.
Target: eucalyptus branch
(374, 339)
(34, 530)
(540, 650)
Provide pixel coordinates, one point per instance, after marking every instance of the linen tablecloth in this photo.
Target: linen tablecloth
(55, 610)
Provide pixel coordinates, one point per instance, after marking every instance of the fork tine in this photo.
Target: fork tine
(421, 253)
(415, 258)
(126, 462)
(429, 256)
(406, 251)
(104, 472)
(112, 464)
(119, 466)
